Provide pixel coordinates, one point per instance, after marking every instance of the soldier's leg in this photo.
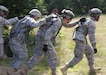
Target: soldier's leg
(38, 52)
(51, 57)
(14, 54)
(1, 50)
(19, 59)
(35, 58)
(12, 71)
(90, 57)
(19, 56)
(78, 55)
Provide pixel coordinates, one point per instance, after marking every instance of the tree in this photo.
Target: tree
(18, 7)
(82, 7)
(59, 4)
(103, 5)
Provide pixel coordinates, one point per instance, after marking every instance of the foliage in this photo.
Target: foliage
(80, 7)
(103, 5)
(59, 4)
(20, 7)
(17, 7)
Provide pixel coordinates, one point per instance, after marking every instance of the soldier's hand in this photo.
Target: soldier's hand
(45, 48)
(95, 50)
(82, 19)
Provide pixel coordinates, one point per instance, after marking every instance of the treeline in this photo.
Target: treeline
(80, 7)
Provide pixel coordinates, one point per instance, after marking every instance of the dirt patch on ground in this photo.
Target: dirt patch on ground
(3, 70)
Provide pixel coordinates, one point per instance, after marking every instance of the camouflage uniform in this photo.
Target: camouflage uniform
(85, 28)
(43, 36)
(82, 47)
(4, 22)
(18, 37)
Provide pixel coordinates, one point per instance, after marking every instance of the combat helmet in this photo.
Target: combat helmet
(35, 12)
(67, 13)
(4, 10)
(95, 12)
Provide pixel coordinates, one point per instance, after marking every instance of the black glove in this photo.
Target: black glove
(82, 20)
(95, 50)
(45, 48)
(20, 17)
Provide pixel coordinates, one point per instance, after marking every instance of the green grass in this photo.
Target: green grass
(65, 47)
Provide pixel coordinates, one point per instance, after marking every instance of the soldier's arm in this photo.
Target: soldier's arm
(91, 33)
(33, 23)
(52, 31)
(43, 21)
(71, 24)
(10, 21)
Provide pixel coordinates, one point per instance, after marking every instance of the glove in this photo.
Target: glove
(45, 48)
(95, 50)
(82, 20)
(20, 17)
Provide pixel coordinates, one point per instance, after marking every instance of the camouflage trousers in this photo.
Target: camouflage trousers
(1, 50)
(20, 53)
(80, 49)
(50, 54)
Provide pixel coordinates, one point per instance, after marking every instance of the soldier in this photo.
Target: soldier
(43, 43)
(18, 37)
(82, 47)
(3, 22)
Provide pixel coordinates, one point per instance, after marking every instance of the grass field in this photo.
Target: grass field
(65, 47)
